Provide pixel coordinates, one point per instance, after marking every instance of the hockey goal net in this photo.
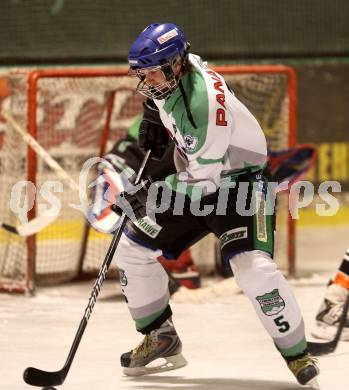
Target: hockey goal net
(75, 114)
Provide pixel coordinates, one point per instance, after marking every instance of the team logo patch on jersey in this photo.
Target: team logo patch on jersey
(123, 278)
(233, 235)
(191, 142)
(271, 303)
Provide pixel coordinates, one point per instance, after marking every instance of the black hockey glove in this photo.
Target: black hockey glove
(133, 201)
(152, 133)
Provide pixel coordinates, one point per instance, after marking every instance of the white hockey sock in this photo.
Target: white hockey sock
(143, 280)
(273, 300)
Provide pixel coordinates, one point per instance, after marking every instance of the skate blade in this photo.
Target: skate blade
(313, 384)
(171, 363)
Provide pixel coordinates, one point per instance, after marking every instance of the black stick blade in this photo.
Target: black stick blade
(36, 377)
(318, 349)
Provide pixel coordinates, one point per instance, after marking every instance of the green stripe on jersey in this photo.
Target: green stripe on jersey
(196, 93)
(133, 131)
(207, 161)
(262, 221)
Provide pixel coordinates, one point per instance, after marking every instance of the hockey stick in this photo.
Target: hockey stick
(40, 222)
(33, 226)
(318, 349)
(36, 377)
(40, 151)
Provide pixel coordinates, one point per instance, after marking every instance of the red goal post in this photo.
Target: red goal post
(66, 98)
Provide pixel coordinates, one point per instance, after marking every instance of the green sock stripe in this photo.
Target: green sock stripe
(141, 323)
(295, 350)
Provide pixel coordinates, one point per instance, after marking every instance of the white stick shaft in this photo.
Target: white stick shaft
(40, 222)
(40, 151)
(31, 227)
(36, 224)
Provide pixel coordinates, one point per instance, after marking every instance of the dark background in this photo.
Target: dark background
(311, 35)
(91, 30)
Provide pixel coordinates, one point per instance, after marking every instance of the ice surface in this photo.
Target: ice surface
(225, 344)
(223, 341)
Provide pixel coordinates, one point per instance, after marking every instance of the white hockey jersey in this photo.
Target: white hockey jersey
(227, 139)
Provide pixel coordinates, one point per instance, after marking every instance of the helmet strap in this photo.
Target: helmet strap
(186, 105)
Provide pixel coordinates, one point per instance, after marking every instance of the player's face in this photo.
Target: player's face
(155, 77)
(153, 80)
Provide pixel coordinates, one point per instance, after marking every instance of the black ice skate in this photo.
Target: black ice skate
(305, 370)
(163, 344)
(329, 314)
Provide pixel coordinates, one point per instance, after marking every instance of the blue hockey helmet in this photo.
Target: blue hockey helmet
(157, 48)
(156, 45)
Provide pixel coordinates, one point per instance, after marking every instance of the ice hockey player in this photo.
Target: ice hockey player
(331, 309)
(126, 155)
(219, 148)
(287, 165)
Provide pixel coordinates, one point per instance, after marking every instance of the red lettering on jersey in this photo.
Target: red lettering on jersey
(212, 73)
(220, 117)
(220, 98)
(218, 86)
